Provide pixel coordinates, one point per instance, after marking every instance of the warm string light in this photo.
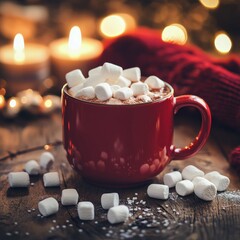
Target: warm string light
(2, 102)
(210, 3)
(222, 43)
(175, 33)
(18, 47)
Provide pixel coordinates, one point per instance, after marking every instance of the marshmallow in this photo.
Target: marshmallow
(184, 187)
(94, 80)
(170, 179)
(18, 179)
(32, 167)
(154, 82)
(124, 93)
(109, 200)
(139, 88)
(74, 90)
(86, 92)
(48, 206)
(85, 210)
(46, 160)
(158, 191)
(220, 181)
(95, 71)
(111, 71)
(118, 214)
(103, 91)
(190, 172)
(69, 197)
(144, 98)
(114, 88)
(75, 78)
(123, 82)
(204, 189)
(133, 74)
(51, 179)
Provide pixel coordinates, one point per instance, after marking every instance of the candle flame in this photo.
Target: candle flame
(48, 103)
(18, 47)
(74, 42)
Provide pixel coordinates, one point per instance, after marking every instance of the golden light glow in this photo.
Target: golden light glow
(210, 3)
(48, 103)
(223, 43)
(74, 42)
(12, 103)
(175, 33)
(112, 26)
(18, 47)
(2, 101)
(130, 21)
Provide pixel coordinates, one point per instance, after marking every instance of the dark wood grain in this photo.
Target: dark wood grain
(176, 218)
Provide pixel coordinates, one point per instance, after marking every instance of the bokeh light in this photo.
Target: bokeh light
(223, 43)
(175, 33)
(112, 26)
(210, 3)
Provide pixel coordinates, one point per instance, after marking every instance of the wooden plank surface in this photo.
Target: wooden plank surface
(176, 218)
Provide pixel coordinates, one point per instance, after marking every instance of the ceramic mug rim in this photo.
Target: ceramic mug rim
(170, 94)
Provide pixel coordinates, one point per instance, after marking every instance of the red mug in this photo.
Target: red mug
(126, 145)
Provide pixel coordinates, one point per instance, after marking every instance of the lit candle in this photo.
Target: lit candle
(23, 66)
(74, 52)
(13, 107)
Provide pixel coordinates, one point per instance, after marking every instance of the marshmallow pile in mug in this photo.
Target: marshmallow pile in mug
(110, 80)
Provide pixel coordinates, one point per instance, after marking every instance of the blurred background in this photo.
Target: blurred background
(212, 25)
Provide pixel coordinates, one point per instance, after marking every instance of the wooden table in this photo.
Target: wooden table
(176, 218)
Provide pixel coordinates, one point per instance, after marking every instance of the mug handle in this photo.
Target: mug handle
(200, 140)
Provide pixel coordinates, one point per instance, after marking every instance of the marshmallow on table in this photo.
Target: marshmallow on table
(18, 179)
(133, 74)
(184, 187)
(118, 214)
(154, 82)
(85, 210)
(123, 82)
(86, 92)
(95, 71)
(123, 93)
(103, 91)
(74, 78)
(158, 191)
(190, 172)
(111, 71)
(46, 160)
(204, 189)
(109, 200)
(69, 197)
(220, 181)
(139, 88)
(51, 179)
(48, 206)
(32, 167)
(170, 179)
